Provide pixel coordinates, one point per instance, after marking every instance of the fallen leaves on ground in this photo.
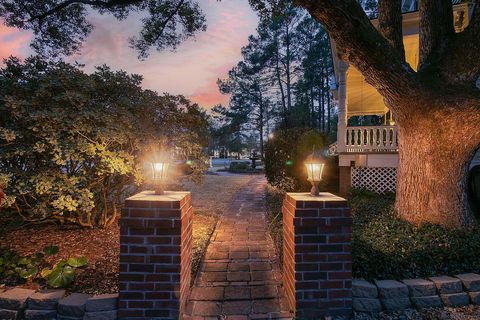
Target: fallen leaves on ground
(101, 246)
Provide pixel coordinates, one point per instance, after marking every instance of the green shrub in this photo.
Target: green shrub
(285, 155)
(15, 268)
(386, 247)
(238, 167)
(72, 143)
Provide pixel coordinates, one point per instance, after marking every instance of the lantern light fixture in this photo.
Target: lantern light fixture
(315, 164)
(159, 166)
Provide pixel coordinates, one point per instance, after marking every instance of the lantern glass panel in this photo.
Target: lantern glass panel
(315, 171)
(160, 170)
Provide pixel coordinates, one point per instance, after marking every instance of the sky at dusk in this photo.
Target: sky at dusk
(192, 69)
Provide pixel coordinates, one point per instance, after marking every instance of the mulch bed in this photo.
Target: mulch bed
(100, 246)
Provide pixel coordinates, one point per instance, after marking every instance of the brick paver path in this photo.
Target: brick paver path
(240, 276)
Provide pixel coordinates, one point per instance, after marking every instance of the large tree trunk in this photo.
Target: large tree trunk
(437, 107)
(435, 151)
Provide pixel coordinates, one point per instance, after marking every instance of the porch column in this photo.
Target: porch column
(342, 105)
(317, 255)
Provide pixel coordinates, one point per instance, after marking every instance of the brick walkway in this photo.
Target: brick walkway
(240, 276)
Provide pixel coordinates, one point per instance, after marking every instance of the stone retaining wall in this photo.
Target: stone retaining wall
(19, 303)
(436, 292)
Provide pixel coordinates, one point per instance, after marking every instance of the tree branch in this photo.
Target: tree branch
(359, 43)
(390, 23)
(66, 4)
(436, 30)
(460, 63)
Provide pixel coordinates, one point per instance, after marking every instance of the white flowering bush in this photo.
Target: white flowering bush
(71, 144)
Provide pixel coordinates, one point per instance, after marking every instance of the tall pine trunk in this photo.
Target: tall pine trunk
(280, 84)
(288, 61)
(261, 122)
(329, 104)
(312, 107)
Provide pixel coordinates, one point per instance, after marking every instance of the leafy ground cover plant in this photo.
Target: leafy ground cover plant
(386, 247)
(15, 269)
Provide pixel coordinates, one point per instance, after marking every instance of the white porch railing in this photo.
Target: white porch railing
(371, 139)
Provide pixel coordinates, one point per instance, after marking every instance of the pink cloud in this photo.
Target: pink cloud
(209, 96)
(14, 42)
(192, 70)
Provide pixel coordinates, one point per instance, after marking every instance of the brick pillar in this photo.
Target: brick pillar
(155, 255)
(317, 258)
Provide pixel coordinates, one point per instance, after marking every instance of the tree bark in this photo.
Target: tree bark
(390, 23)
(436, 30)
(288, 58)
(329, 105)
(261, 122)
(437, 109)
(435, 150)
(279, 80)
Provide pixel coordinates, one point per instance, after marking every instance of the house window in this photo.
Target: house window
(409, 5)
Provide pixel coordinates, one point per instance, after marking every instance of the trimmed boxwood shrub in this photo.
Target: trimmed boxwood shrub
(238, 167)
(285, 155)
(386, 247)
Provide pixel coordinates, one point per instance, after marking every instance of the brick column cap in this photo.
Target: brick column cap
(323, 200)
(166, 196)
(148, 199)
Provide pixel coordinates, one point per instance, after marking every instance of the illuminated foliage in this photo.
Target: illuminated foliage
(285, 155)
(72, 143)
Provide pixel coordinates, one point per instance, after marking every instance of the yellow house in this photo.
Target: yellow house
(368, 154)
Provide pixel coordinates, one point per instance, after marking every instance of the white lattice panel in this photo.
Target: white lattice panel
(379, 180)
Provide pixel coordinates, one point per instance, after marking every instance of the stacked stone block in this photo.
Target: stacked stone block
(471, 285)
(436, 292)
(155, 255)
(451, 291)
(19, 304)
(393, 295)
(43, 304)
(317, 266)
(365, 296)
(13, 303)
(102, 306)
(423, 293)
(72, 307)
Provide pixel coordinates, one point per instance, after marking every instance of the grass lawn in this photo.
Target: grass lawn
(101, 246)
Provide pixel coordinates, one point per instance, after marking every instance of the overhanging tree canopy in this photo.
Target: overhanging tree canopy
(436, 107)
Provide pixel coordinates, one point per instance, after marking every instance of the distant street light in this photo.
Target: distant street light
(315, 164)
